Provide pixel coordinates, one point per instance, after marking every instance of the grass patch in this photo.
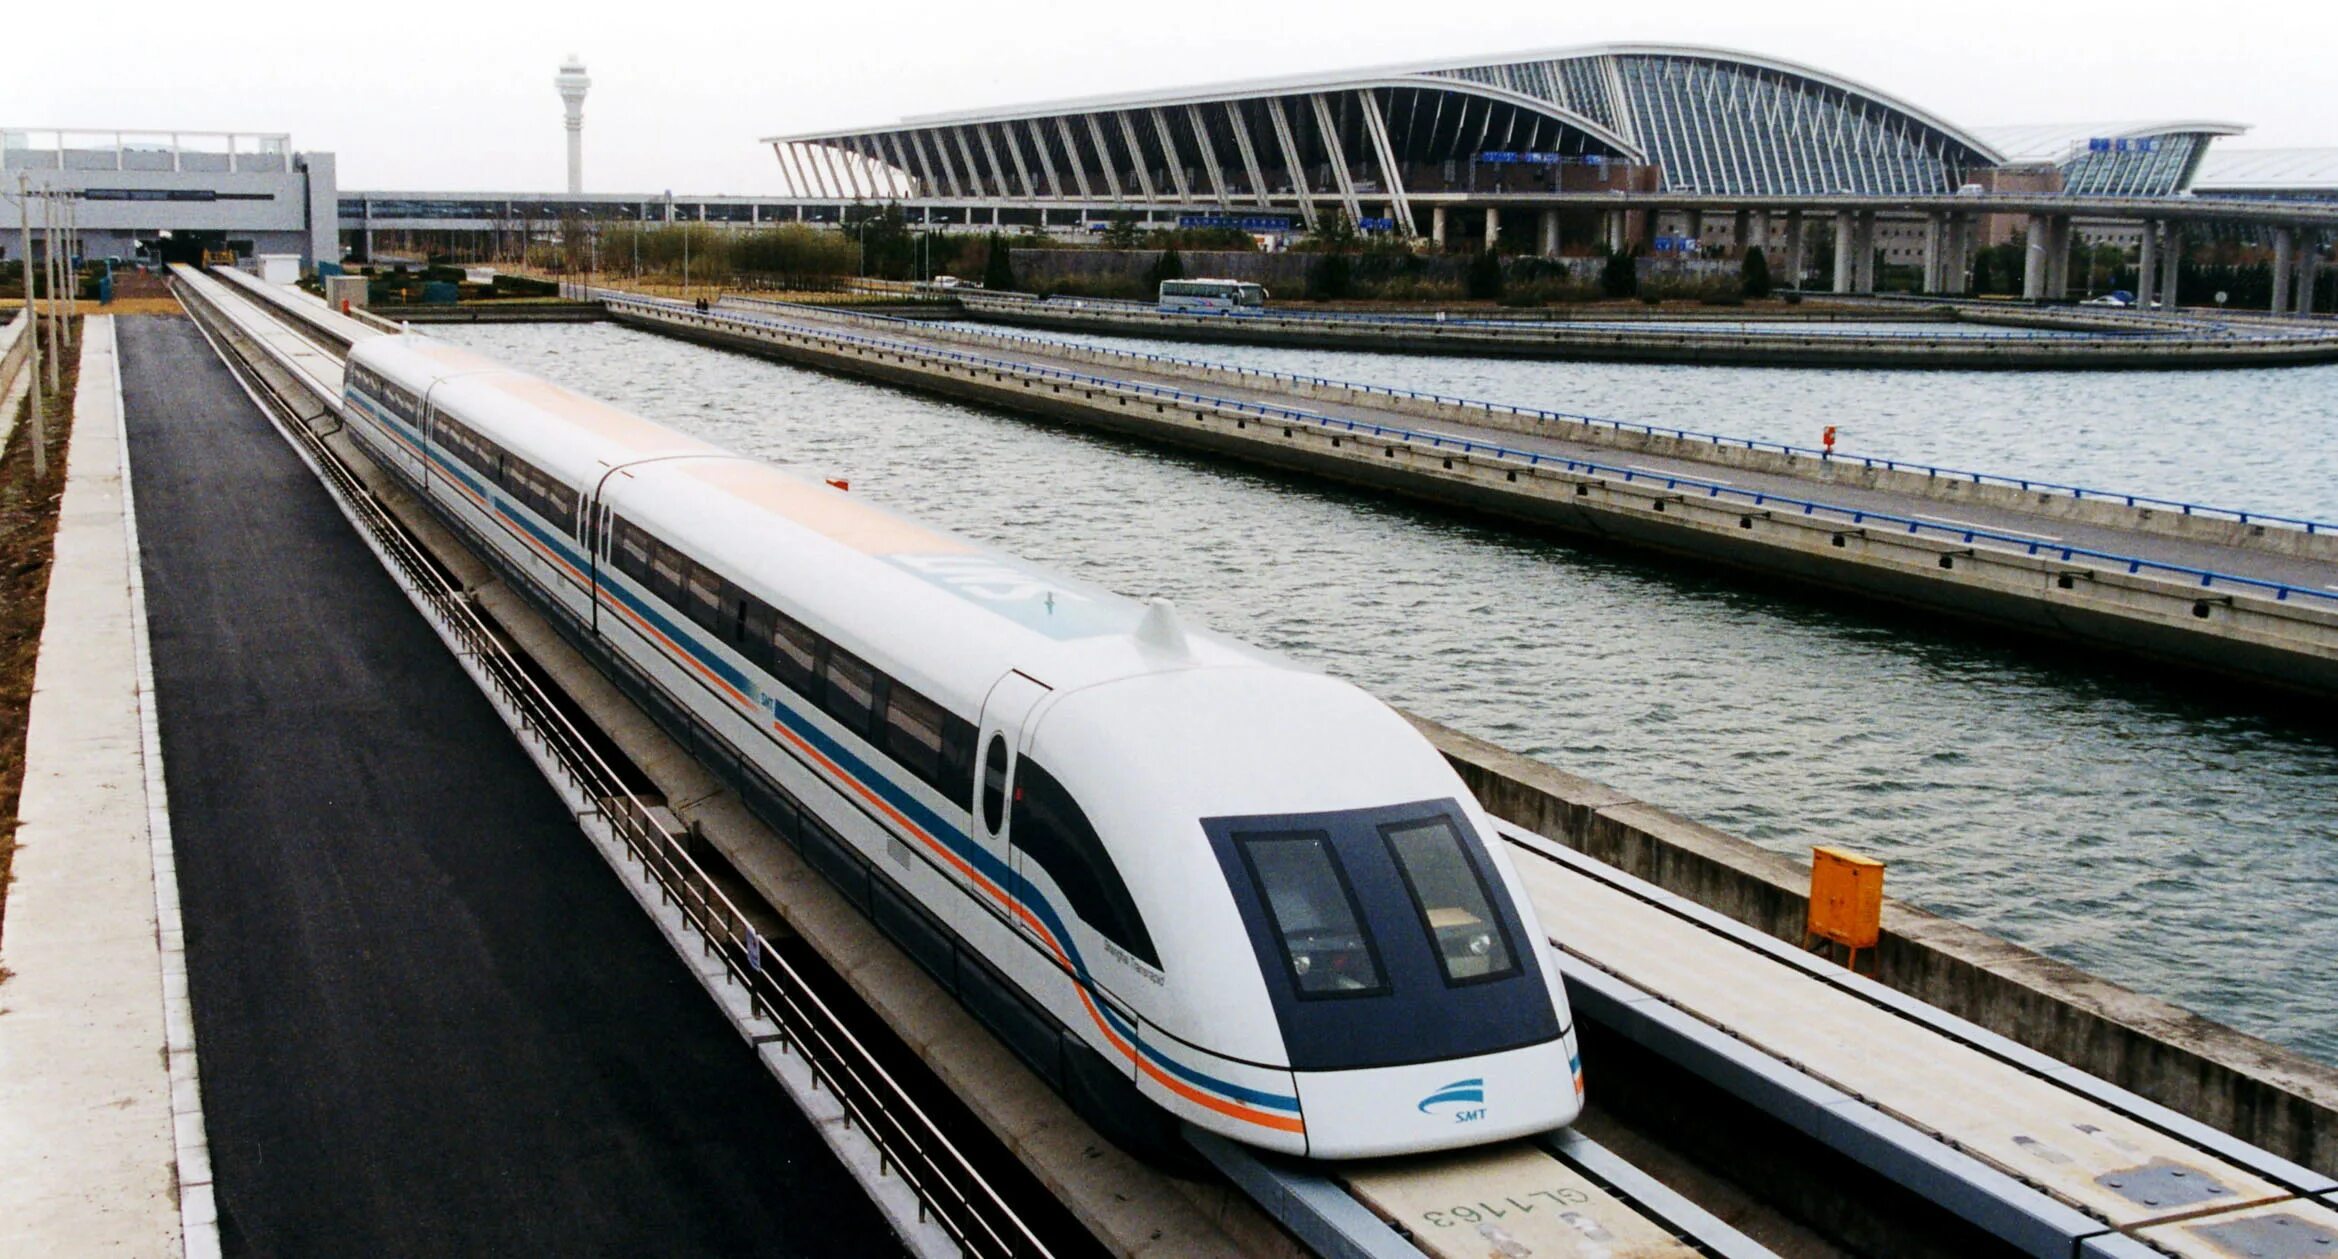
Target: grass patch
(28, 532)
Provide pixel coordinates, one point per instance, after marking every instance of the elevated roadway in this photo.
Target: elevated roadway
(2223, 592)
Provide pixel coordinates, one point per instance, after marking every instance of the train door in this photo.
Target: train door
(1006, 713)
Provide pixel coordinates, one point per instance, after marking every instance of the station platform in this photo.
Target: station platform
(431, 1021)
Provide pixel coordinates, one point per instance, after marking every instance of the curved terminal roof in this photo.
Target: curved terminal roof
(1711, 119)
(2269, 170)
(2058, 142)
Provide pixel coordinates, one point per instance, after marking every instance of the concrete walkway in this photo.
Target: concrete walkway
(89, 1153)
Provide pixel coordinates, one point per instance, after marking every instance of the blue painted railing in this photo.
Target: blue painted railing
(2027, 484)
(2207, 579)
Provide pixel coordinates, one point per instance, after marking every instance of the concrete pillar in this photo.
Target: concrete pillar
(1866, 253)
(1935, 229)
(1794, 254)
(2171, 267)
(1493, 226)
(1437, 225)
(1617, 226)
(1741, 231)
(2038, 246)
(1549, 246)
(1846, 251)
(1694, 228)
(2284, 267)
(1960, 253)
(2309, 264)
(2147, 265)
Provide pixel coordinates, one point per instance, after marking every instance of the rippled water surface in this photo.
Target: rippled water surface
(2186, 849)
(2264, 439)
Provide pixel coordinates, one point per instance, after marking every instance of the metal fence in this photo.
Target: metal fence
(2206, 579)
(1544, 415)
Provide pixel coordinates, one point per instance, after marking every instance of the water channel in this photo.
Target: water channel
(2181, 846)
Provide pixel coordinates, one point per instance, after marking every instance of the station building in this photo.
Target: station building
(168, 196)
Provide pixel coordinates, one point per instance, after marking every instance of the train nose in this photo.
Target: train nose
(1442, 1105)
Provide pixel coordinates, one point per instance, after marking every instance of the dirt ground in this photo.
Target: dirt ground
(28, 528)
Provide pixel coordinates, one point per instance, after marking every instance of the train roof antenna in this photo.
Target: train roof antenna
(1160, 630)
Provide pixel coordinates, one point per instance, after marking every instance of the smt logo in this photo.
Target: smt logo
(1465, 1100)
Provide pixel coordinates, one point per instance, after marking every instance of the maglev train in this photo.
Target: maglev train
(1182, 878)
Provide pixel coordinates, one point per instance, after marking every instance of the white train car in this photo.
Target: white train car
(1182, 878)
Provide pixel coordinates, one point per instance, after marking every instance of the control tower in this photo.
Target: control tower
(572, 84)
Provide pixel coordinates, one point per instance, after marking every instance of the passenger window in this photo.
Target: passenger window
(994, 785)
(633, 550)
(706, 601)
(795, 655)
(1051, 830)
(1314, 914)
(666, 567)
(957, 759)
(1449, 891)
(755, 630)
(851, 693)
(913, 734)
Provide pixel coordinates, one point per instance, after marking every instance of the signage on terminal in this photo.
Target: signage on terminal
(2106, 144)
(1247, 222)
(1503, 158)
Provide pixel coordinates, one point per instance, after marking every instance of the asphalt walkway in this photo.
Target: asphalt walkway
(432, 1022)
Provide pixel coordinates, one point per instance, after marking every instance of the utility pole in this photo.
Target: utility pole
(32, 333)
(49, 281)
(71, 276)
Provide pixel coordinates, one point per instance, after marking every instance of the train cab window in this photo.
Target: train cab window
(1050, 829)
(706, 601)
(850, 693)
(1314, 913)
(994, 784)
(795, 655)
(1449, 891)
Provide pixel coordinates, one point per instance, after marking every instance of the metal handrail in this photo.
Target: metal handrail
(1544, 415)
(908, 1140)
(1915, 526)
(2072, 335)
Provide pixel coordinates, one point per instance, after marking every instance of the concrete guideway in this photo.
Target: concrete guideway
(431, 1020)
(2233, 624)
(1967, 1132)
(2023, 1147)
(102, 1139)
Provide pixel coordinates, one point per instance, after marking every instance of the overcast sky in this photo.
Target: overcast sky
(434, 95)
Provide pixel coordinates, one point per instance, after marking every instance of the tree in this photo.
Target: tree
(1169, 266)
(998, 268)
(1755, 274)
(1620, 277)
(1121, 233)
(1485, 276)
(1334, 233)
(1331, 278)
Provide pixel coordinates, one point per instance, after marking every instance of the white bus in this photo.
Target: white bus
(1211, 295)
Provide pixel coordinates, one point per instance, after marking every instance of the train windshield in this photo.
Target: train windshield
(1450, 895)
(1315, 914)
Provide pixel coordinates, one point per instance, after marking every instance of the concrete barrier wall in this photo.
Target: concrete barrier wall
(2286, 646)
(15, 351)
(2250, 1088)
(2056, 505)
